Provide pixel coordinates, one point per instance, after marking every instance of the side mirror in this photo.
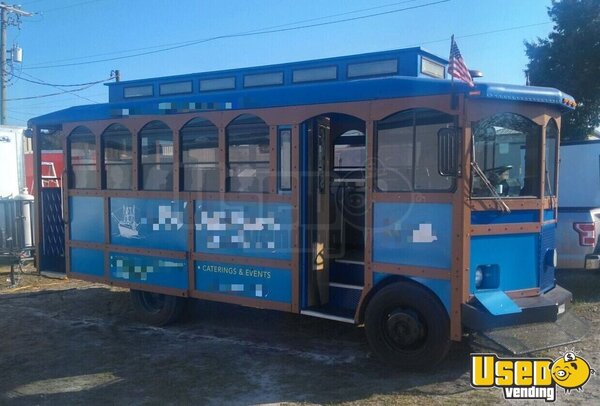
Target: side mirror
(448, 152)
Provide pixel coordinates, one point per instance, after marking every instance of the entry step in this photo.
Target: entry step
(330, 313)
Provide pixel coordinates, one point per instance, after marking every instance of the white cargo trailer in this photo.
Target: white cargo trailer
(12, 178)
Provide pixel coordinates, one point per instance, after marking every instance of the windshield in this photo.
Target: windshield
(507, 149)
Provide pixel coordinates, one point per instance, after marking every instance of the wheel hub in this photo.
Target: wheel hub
(404, 327)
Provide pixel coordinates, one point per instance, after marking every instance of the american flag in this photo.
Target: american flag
(457, 67)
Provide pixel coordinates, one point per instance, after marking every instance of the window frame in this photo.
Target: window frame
(539, 130)
(414, 113)
(105, 165)
(150, 86)
(183, 164)
(142, 165)
(284, 131)
(229, 162)
(71, 172)
(553, 182)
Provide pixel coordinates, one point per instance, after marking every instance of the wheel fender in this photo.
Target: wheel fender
(387, 281)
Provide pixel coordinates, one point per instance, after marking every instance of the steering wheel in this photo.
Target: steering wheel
(499, 169)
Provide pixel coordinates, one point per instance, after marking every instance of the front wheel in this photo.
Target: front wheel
(157, 309)
(407, 326)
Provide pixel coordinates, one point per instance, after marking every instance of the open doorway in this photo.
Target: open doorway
(334, 193)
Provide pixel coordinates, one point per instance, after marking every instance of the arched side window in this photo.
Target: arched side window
(82, 159)
(116, 148)
(407, 151)
(507, 150)
(156, 156)
(551, 147)
(200, 156)
(248, 155)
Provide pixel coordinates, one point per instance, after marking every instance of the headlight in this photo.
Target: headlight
(551, 258)
(478, 277)
(487, 276)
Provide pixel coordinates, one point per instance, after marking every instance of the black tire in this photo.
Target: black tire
(407, 326)
(157, 309)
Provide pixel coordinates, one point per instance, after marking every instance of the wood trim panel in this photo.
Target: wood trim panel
(496, 229)
(513, 204)
(412, 197)
(191, 236)
(84, 244)
(461, 220)
(273, 148)
(151, 252)
(368, 254)
(296, 219)
(516, 294)
(407, 270)
(274, 116)
(128, 250)
(242, 197)
(148, 288)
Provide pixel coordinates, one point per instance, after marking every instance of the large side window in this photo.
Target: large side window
(551, 146)
(427, 125)
(200, 156)
(116, 144)
(156, 153)
(395, 153)
(82, 154)
(248, 155)
(407, 151)
(507, 150)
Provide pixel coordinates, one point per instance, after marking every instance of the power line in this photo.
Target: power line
(36, 65)
(62, 91)
(81, 3)
(40, 82)
(47, 95)
(246, 34)
(74, 94)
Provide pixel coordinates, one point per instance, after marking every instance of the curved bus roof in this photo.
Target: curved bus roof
(380, 75)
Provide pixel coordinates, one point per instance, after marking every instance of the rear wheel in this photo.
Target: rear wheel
(157, 309)
(407, 326)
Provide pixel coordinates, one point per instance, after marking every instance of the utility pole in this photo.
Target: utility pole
(5, 10)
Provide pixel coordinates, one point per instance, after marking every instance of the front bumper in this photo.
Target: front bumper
(543, 322)
(546, 307)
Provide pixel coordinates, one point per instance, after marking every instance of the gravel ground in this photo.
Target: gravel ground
(71, 342)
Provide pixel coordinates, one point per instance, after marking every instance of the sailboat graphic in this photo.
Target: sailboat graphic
(128, 226)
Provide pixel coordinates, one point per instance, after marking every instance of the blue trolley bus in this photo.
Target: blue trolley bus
(367, 189)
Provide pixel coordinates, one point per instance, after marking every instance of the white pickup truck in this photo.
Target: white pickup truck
(579, 206)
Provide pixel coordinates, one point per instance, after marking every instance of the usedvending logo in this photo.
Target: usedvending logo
(530, 378)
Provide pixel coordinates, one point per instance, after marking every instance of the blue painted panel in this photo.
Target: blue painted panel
(547, 242)
(412, 234)
(163, 272)
(147, 223)
(497, 302)
(262, 230)
(515, 254)
(498, 217)
(86, 261)
(86, 216)
(440, 287)
(256, 282)
(548, 215)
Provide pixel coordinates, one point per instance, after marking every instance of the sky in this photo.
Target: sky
(68, 42)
